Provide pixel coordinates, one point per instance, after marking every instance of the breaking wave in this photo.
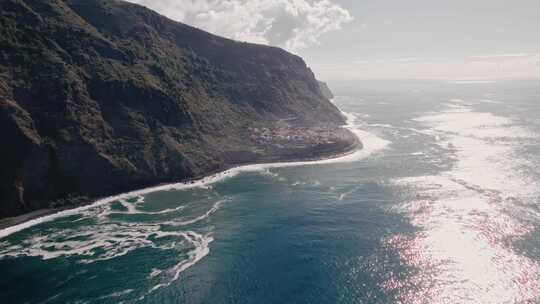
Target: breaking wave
(115, 226)
(371, 143)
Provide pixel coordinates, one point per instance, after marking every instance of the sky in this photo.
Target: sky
(381, 39)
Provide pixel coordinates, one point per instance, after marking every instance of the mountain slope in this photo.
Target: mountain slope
(102, 96)
(325, 90)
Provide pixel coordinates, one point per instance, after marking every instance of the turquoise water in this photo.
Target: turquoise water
(443, 206)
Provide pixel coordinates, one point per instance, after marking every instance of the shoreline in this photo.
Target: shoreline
(15, 224)
(354, 152)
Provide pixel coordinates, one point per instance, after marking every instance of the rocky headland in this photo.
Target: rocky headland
(99, 97)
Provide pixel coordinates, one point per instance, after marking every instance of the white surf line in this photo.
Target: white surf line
(375, 144)
(201, 243)
(347, 193)
(212, 210)
(132, 208)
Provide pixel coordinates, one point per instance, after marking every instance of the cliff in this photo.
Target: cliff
(98, 97)
(325, 90)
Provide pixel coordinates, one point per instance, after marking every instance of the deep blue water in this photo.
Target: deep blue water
(442, 206)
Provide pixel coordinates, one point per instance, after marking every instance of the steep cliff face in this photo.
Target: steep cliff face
(103, 96)
(325, 90)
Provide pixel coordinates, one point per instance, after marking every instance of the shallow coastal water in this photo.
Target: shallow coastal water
(442, 206)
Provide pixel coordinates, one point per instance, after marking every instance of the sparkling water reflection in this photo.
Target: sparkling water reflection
(442, 206)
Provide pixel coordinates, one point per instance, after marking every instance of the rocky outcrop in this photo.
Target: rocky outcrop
(102, 96)
(325, 90)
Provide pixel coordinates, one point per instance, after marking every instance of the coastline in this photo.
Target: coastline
(15, 224)
(354, 152)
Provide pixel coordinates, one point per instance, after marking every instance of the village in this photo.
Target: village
(298, 137)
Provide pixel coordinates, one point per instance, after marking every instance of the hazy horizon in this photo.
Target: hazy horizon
(368, 39)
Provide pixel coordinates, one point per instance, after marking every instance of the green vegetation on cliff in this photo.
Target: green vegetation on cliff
(102, 96)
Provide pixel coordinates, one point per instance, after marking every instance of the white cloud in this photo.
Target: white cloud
(291, 24)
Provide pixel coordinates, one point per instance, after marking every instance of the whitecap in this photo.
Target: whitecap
(217, 205)
(132, 208)
(201, 249)
(116, 294)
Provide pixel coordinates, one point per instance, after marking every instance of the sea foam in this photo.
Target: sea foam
(371, 144)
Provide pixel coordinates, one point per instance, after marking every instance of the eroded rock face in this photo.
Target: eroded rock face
(325, 90)
(102, 96)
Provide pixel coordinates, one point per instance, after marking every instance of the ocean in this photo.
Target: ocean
(441, 206)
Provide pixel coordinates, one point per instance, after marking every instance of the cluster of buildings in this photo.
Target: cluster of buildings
(293, 136)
